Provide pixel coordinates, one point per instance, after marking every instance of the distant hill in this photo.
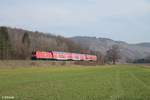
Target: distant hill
(127, 51)
(143, 44)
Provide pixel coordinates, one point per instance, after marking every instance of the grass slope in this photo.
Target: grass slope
(120, 82)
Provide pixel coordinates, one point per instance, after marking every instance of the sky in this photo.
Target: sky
(124, 20)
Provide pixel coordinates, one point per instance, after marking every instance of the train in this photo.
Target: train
(62, 56)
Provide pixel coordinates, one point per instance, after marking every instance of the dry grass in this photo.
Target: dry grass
(29, 63)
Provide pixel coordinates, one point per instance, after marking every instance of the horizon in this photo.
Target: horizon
(126, 21)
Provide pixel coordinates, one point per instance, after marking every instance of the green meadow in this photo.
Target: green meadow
(109, 82)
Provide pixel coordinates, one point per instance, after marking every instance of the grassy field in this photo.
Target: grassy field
(120, 82)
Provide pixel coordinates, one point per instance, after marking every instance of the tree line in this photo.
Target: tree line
(143, 60)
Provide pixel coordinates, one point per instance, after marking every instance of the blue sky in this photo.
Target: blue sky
(125, 20)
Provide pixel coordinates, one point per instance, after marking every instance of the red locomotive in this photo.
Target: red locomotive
(64, 56)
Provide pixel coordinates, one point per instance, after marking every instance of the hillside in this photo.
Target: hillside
(127, 51)
(143, 44)
(23, 42)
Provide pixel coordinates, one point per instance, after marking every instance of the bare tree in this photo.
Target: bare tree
(113, 54)
(100, 56)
